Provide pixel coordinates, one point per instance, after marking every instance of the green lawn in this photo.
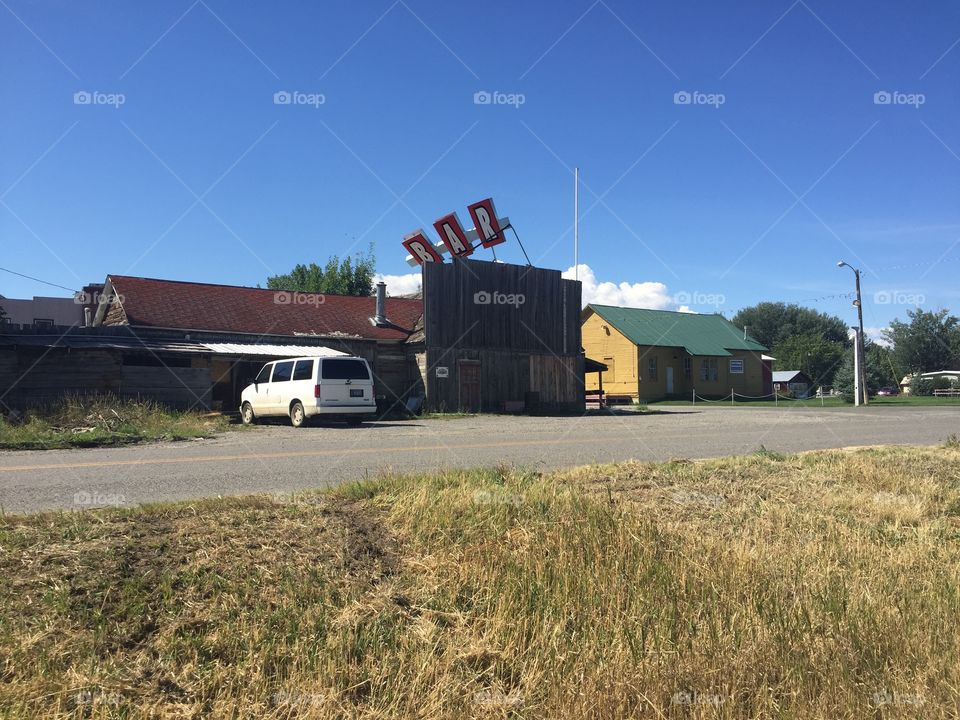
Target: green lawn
(900, 400)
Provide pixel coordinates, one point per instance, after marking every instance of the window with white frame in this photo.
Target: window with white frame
(736, 367)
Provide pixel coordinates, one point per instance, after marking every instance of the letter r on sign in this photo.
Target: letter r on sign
(485, 221)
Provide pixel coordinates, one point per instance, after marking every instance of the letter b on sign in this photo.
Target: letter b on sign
(420, 247)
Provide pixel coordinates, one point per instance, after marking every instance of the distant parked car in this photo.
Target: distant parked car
(888, 391)
(337, 388)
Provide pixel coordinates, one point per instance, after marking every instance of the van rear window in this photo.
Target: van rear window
(303, 370)
(336, 369)
(282, 371)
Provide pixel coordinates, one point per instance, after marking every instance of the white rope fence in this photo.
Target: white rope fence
(732, 398)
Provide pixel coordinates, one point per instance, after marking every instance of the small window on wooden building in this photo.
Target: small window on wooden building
(652, 368)
(611, 374)
(708, 370)
(687, 368)
(736, 367)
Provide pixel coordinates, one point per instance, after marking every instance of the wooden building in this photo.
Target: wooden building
(656, 354)
(499, 337)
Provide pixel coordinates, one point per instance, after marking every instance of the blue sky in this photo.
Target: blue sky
(783, 162)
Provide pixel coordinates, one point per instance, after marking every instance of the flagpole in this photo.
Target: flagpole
(576, 223)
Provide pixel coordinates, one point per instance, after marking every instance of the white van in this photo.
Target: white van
(338, 388)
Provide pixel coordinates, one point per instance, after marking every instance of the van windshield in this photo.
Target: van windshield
(264, 375)
(337, 369)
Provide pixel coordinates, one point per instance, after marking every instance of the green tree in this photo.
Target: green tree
(773, 322)
(814, 355)
(800, 338)
(350, 276)
(879, 370)
(929, 341)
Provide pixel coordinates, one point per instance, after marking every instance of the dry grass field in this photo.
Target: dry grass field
(822, 585)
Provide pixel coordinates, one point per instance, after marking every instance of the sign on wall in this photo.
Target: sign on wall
(488, 228)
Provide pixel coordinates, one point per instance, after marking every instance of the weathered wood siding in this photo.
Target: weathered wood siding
(175, 386)
(36, 376)
(522, 324)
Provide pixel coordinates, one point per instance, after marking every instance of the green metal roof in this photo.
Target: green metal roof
(697, 334)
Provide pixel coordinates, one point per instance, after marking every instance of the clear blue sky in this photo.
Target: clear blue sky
(701, 198)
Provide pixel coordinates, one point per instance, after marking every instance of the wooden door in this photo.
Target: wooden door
(469, 374)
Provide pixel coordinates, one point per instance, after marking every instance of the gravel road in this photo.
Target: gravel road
(283, 459)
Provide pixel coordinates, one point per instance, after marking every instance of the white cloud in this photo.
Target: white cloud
(876, 334)
(651, 295)
(400, 284)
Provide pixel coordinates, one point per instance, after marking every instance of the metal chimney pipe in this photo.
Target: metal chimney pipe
(381, 316)
(744, 332)
(87, 317)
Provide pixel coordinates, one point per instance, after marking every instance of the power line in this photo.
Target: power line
(30, 277)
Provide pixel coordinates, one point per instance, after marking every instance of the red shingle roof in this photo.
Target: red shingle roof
(228, 308)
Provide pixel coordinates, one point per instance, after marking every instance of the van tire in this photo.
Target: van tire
(298, 417)
(246, 414)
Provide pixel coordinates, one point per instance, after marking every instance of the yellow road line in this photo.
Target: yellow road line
(378, 451)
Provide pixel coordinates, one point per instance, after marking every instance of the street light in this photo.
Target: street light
(860, 355)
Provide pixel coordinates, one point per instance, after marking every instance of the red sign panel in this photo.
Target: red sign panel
(485, 221)
(453, 235)
(420, 247)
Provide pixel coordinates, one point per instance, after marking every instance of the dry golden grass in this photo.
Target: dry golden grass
(823, 585)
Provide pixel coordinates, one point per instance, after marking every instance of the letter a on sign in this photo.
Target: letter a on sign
(420, 247)
(453, 236)
(485, 221)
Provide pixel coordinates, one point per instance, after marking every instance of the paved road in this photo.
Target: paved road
(283, 459)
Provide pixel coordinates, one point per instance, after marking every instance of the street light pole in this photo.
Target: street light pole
(861, 356)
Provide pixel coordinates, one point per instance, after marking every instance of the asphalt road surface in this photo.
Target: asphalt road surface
(281, 459)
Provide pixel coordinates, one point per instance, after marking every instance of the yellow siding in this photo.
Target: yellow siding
(629, 367)
(603, 342)
(666, 358)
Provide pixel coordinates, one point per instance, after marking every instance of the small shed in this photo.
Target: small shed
(793, 382)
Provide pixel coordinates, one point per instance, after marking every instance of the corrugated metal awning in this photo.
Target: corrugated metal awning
(255, 350)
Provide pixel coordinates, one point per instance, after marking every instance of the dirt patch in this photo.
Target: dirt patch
(114, 601)
(368, 546)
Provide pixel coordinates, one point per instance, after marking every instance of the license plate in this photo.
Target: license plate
(356, 393)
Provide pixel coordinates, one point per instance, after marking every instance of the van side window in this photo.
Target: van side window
(282, 371)
(264, 375)
(303, 370)
(337, 369)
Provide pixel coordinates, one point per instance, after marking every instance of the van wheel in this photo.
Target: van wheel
(297, 415)
(246, 414)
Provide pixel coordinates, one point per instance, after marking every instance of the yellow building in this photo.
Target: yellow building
(655, 354)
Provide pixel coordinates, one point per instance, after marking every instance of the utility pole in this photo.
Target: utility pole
(860, 358)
